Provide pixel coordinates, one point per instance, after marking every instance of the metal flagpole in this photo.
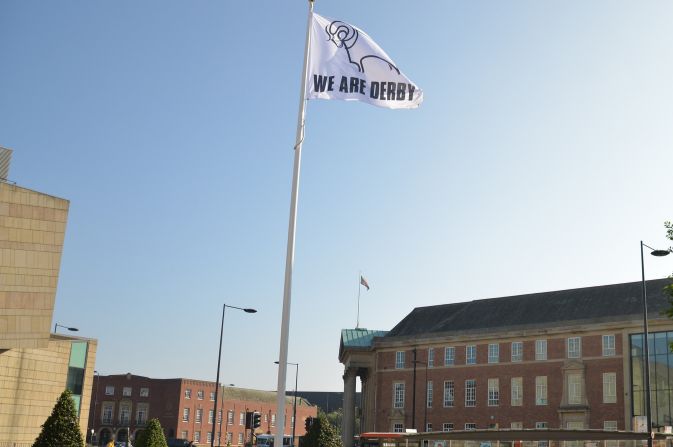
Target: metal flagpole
(357, 324)
(289, 259)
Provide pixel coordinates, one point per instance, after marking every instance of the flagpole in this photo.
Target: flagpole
(357, 324)
(289, 259)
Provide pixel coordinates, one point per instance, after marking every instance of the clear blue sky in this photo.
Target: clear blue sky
(540, 157)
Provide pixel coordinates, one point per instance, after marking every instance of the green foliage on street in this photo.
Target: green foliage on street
(322, 433)
(152, 436)
(669, 288)
(62, 427)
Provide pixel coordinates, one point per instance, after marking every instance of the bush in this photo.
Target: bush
(152, 436)
(62, 427)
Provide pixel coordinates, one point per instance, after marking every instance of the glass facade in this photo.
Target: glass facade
(661, 377)
(76, 367)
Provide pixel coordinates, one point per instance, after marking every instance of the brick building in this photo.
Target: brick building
(125, 402)
(564, 359)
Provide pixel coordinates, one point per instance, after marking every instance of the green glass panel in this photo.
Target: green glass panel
(78, 354)
(77, 399)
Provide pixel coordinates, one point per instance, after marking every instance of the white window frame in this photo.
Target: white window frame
(609, 388)
(517, 351)
(398, 395)
(610, 425)
(399, 359)
(127, 391)
(575, 389)
(109, 390)
(241, 418)
(609, 346)
(493, 353)
(398, 427)
(428, 394)
(188, 393)
(144, 392)
(431, 357)
(230, 417)
(517, 392)
(447, 426)
(471, 354)
(541, 349)
(469, 426)
(185, 415)
(516, 425)
(574, 347)
(541, 390)
(493, 392)
(198, 415)
(470, 393)
(449, 356)
(211, 414)
(541, 425)
(199, 394)
(449, 393)
(428, 427)
(197, 436)
(240, 438)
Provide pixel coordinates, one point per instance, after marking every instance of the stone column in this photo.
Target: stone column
(364, 402)
(348, 421)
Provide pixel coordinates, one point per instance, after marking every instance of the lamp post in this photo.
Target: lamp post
(72, 329)
(425, 411)
(219, 357)
(646, 356)
(96, 376)
(221, 415)
(294, 403)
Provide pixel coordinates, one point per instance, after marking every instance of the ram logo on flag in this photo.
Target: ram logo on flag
(345, 63)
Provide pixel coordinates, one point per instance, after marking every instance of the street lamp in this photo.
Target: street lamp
(425, 412)
(219, 357)
(646, 356)
(73, 329)
(294, 403)
(96, 376)
(221, 415)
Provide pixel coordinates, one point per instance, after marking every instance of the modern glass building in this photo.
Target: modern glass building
(661, 377)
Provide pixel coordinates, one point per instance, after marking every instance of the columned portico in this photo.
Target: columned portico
(359, 361)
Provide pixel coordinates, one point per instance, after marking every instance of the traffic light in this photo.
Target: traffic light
(307, 423)
(256, 420)
(248, 419)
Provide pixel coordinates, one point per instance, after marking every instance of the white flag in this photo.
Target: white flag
(345, 63)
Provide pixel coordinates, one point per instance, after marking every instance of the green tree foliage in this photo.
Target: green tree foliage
(152, 436)
(62, 427)
(669, 288)
(322, 433)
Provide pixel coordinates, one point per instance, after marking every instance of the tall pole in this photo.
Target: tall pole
(291, 231)
(217, 380)
(413, 401)
(357, 324)
(646, 356)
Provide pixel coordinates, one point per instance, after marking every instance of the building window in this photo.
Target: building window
(197, 436)
(517, 391)
(126, 391)
(199, 414)
(540, 425)
(574, 389)
(240, 439)
(273, 420)
(610, 425)
(141, 414)
(470, 426)
(211, 413)
(516, 425)
(540, 349)
(574, 347)
(449, 355)
(470, 354)
(144, 392)
(609, 388)
(471, 393)
(447, 426)
(398, 428)
(493, 392)
(108, 410)
(230, 437)
(493, 353)
(428, 427)
(448, 393)
(185, 415)
(230, 417)
(184, 434)
(431, 357)
(109, 390)
(517, 351)
(398, 395)
(125, 414)
(209, 437)
(212, 396)
(241, 418)
(608, 345)
(188, 394)
(399, 359)
(199, 395)
(429, 394)
(541, 390)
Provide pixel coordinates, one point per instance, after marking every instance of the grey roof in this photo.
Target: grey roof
(613, 302)
(359, 337)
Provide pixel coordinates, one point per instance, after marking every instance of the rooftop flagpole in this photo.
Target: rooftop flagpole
(289, 259)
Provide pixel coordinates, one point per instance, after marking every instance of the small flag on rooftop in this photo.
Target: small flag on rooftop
(364, 282)
(345, 63)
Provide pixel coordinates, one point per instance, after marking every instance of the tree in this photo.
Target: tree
(62, 427)
(152, 436)
(322, 433)
(669, 288)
